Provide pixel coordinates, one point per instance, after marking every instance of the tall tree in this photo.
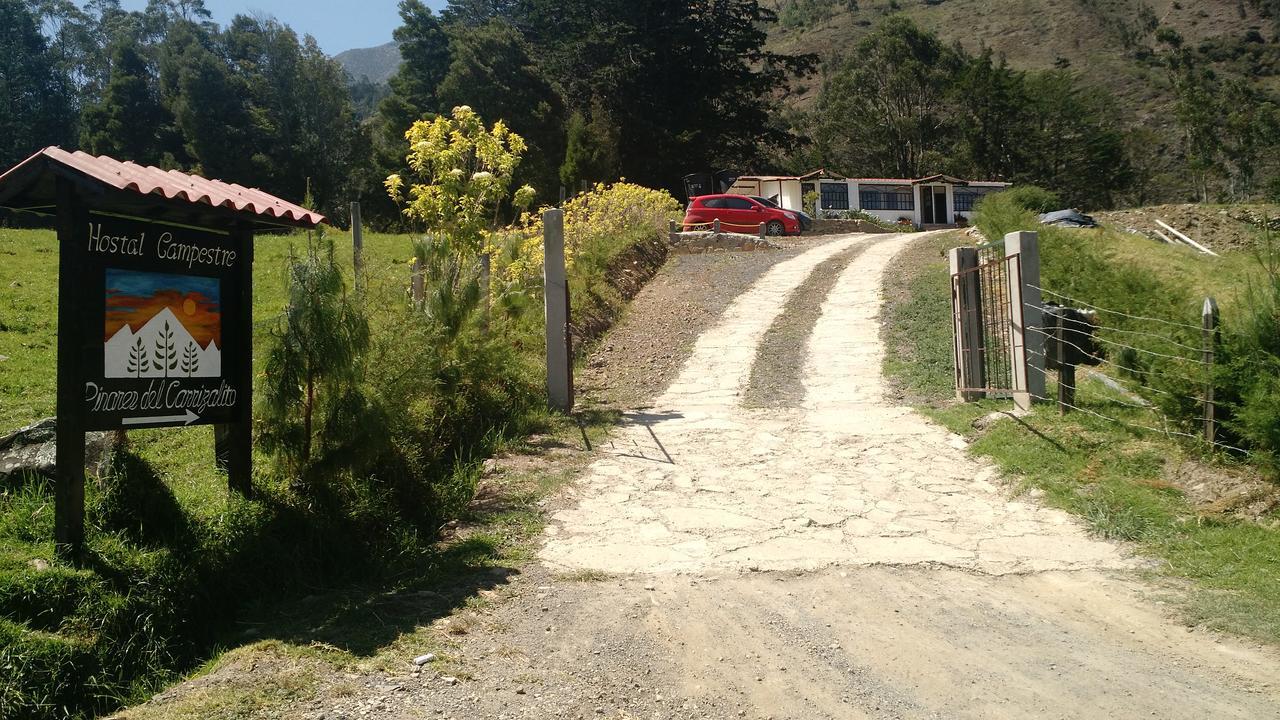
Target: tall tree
(424, 61)
(690, 85)
(493, 73)
(35, 97)
(126, 122)
(886, 110)
(591, 154)
(1077, 147)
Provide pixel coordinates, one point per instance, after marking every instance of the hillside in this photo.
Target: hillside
(376, 63)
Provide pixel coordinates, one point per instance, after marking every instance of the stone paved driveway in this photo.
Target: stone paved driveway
(700, 483)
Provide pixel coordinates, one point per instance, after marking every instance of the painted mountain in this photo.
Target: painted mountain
(178, 323)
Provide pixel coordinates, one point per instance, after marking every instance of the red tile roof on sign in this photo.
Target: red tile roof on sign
(174, 185)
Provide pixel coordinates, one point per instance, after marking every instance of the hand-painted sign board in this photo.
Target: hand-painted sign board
(155, 306)
(162, 311)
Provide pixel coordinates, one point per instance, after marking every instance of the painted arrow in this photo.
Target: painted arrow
(186, 419)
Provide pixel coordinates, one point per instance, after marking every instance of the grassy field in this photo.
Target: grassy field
(1116, 477)
(173, 560)
(173, 556)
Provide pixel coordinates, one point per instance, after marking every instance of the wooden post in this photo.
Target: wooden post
(415, 283)
(357, 244)
(556, 296)
(761, 231)
(68, 510)
(1209, 337)
(673, 232)
(966, 303)
(486, 263)
(236, 451)
(715, 225)
(1026, 315)
(1066, 384)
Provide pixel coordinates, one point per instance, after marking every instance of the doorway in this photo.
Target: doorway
(933, 202)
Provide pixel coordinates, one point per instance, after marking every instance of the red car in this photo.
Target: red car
(739, 213)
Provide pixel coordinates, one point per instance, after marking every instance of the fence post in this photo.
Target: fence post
(486, 264)
(715, 225)
(673, 232)
(966, 304)
(1209, 336)
(556, 296)
(1026, 317)
(1066, 368)
(416, 283)
(357, 243)
(761, 231)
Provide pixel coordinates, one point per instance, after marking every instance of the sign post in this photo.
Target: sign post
(155, 306)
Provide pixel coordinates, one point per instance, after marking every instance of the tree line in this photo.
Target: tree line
(249, 103)
(649, 90)
(646, 90)
(903, 104)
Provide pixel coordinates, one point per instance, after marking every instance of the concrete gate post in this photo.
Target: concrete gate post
(966, 303)
(1026, 315)
(556, 296)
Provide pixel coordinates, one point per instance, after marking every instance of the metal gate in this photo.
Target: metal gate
(987, 355)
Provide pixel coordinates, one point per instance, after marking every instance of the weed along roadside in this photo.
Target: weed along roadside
(373, 413)
(1130, 457)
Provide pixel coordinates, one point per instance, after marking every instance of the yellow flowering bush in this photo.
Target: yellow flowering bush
(466, 173)
(600, 222)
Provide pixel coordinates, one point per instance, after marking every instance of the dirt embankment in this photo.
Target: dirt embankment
(643, 353)
(1221, 228)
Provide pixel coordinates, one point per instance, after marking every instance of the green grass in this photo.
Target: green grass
(177, 565)
(1111, 475)
(917, 328)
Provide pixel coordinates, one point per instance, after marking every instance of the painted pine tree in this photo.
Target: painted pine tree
(138, 362)
(166, 354)
(190, 359)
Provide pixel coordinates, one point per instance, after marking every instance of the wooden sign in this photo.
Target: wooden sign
(155, 306)
(162, 321)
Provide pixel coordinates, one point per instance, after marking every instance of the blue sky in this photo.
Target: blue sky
(336, 25)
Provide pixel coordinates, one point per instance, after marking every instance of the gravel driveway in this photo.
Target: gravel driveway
(828, 556)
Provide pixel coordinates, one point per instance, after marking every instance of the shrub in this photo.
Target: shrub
(1032, 198)
(311, 396)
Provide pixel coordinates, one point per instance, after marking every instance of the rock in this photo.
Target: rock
(490, 467)
(3, 358)
(449, 680)
(38, 564)
(32, 449)
(424, 659)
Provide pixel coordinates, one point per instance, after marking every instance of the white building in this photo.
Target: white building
(924, 202)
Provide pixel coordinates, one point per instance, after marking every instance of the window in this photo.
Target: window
(889, 198)
(835, 196)
(736, 203)
(713, 203)
(967, 199)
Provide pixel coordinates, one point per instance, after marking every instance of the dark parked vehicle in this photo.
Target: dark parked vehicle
(739, 213)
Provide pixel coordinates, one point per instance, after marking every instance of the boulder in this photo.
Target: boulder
(33, 449)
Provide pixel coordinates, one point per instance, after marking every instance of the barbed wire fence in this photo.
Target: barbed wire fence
(1152, 374)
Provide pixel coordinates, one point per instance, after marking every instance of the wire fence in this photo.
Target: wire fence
(1145, 352)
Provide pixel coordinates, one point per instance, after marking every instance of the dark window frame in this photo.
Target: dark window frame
(967, 200)
(835, 199)
(877, 199)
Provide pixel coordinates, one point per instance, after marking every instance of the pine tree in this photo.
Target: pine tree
(166, 354)
(138, 363)
(190, 359)
(314, 367)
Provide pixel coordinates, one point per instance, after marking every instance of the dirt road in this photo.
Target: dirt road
(841, 558)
